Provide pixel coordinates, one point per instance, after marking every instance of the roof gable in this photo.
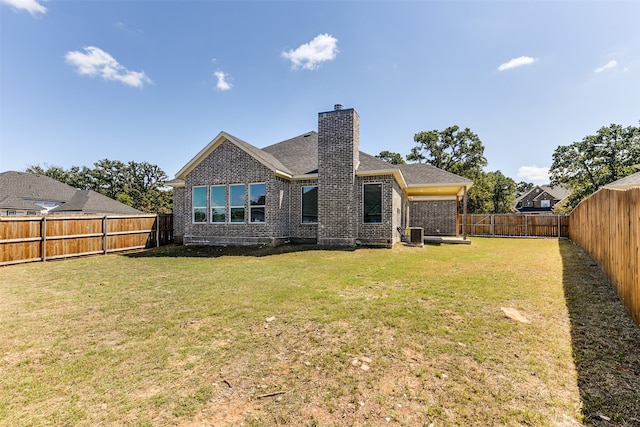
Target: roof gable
(263, 157)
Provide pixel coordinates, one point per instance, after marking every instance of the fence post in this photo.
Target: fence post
(157, 230)
(43, 238)
(104, 234)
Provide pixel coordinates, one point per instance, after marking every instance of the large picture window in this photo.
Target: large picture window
(372, 203)
(236, 203)
(310, 204)
(257, 196)
(218, 203)
(199, 204)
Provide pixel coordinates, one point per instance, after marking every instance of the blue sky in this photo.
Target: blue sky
(156, 80)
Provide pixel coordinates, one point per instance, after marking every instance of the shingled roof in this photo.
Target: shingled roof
(91, 202)
(12, 202)
(626, 182)
(30, 186)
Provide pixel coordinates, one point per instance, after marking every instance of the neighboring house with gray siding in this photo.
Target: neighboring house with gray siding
(317, 187)
(24, 193)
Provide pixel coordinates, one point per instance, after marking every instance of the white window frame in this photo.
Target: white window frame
(223, 206)
(263, 206)
(364, 184)
(243, 206)
(194, 207)
(545, 203)
(302, 221)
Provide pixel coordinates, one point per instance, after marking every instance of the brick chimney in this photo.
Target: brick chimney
(338, 158)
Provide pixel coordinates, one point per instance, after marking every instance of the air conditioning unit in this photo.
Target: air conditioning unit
(415, 236)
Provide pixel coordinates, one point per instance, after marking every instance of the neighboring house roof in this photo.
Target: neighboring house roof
(13, 202)
(35, 187)
(89, 201)
(297, 158)
(626, 182)
(23, 189)
(558, 192)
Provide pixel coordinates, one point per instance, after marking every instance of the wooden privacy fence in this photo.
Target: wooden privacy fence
(607, 226)
(515, 225)
(48, 237)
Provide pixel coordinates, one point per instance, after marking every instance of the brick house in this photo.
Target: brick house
(317, 187)
(541, 199)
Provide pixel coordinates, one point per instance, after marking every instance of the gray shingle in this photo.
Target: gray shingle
(31, 186)
(626, 182)
(89, 201)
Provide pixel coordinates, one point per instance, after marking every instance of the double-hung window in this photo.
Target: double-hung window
(199, 204)
(218, 203)
(372, 203)
(310, 204)
(257, 196)
(236, 203)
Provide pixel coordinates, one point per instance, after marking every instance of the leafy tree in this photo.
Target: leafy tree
(504, 192)
(391, 157)
(462, 153)
(453, 150)
(140, 185)
(416, 155)
(523, 187)
(585, 166)
(492, 192)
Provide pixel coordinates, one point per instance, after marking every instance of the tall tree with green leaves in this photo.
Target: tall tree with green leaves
(595, 161)
(391, 157)
(454, 150)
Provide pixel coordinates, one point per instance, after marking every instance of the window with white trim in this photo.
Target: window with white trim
(199, 204)
(236, 203)
(545, 203)
(372, 203)
(310, 204)
(218, 203)
(257, 197)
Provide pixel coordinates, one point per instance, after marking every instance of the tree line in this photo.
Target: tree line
(582, 167)
(139, 185)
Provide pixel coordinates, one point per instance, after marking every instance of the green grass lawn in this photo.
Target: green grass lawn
(302, 337)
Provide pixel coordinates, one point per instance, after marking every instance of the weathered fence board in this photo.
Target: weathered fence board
(607, 226)
(516, 225)
(28, 239)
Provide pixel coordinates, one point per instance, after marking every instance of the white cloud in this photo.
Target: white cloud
(517, 62)
(533, 173)
(97, 62)
(223, 83)
(31, 6)
(309, 55)
(607, 66)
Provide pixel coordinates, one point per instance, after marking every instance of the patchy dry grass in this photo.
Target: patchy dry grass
(295, 336)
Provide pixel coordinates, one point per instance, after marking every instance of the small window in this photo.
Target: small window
(31, 213)
(372, 195)
(310, 204)
(218, 203)
(11, 213)
(236, 203)
(545, 203)
(257, 196)
(199, 204)
(528, 204)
